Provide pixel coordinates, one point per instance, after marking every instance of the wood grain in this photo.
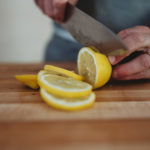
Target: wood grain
(100, 111)
(62, 135)
(119, 120)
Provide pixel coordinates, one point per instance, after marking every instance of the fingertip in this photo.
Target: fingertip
(122, 34)
(115, 59)
(112, 59)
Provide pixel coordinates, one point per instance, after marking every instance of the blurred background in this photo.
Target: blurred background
(24, 32)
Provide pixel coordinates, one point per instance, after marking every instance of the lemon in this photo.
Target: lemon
(29, 80)
(94, 66)
(62, 86)
(67, 103)
(62, 72)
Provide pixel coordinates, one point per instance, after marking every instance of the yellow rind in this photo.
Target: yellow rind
(61, 93)
(29, 80)
(103, 75)
(103, 68)
(63, 71)
(63, 107)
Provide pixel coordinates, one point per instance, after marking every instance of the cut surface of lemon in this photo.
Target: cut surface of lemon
(67, 103)
(61, 71)
(94, 66)
(62, 86)
(29, 80)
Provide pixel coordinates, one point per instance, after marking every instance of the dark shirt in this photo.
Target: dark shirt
(118, 14)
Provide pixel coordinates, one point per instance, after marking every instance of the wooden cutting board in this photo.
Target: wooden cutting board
(120, 118)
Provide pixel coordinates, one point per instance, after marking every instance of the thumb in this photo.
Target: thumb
(116, 59)
(134, 41)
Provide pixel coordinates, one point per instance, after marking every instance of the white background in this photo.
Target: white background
(24, 31)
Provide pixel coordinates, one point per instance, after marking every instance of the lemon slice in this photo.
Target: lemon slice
(94, 66)
(67, 103)
(62, 72)
(62, 86)
(29, 80)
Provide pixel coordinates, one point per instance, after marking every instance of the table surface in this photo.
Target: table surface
(119, 120)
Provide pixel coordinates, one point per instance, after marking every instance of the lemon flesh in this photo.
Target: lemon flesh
(67, 103)
(94, 66)
(62, 86)
(29, 80)
(62, 72)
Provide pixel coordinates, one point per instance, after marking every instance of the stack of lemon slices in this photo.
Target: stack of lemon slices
(64, 89)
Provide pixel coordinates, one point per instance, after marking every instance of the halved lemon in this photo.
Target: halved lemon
(67, 103)
(94, 66)
(29, 80)
(62, 86)
(61, 71)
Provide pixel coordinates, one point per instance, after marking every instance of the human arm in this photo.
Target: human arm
(136, 38)
(55, 9)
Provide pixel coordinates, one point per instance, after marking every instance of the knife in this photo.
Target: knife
(89, 32)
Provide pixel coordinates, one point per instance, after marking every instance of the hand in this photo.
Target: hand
(137, 38)
(55, 9)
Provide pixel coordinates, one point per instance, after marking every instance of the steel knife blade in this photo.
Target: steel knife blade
(89, 32)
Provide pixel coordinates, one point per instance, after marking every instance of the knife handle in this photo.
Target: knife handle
(68, 11)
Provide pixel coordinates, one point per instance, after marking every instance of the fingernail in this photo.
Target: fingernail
(115, 74)
(112, 59)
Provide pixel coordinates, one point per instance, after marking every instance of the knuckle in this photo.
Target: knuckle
(137, 37)
(145, 28)
(123, 32)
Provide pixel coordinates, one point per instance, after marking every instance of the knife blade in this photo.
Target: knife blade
(89, 32)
